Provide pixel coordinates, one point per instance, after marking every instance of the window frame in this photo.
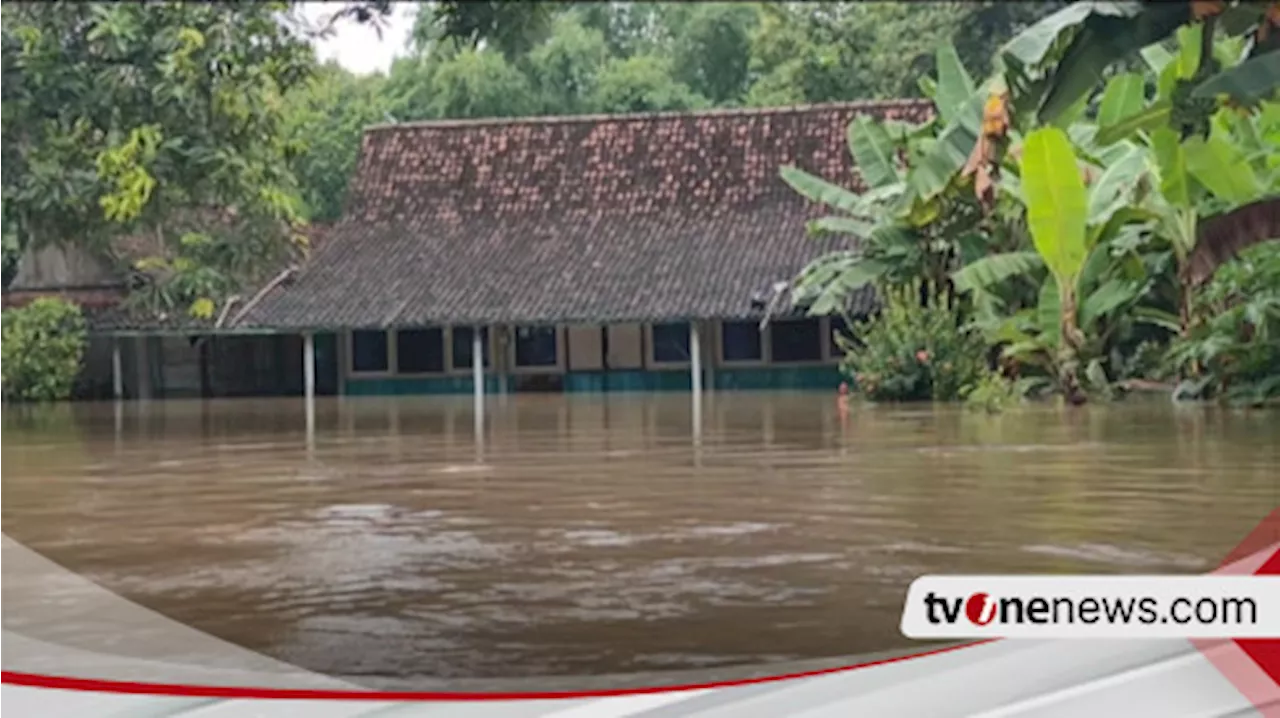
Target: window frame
(764, 346)
(824, 328)
(445, 348)
(490, 340)
(650, 359)
(562, 350)
(353, 372)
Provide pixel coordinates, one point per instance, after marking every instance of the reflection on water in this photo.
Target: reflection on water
(592, 535)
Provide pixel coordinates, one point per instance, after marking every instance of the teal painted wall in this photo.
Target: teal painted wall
(754, 378)
(627, 380)
(796, 377)
(393, 386)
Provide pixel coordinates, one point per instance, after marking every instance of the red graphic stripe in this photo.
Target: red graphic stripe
(1265, 651)
(35, 680)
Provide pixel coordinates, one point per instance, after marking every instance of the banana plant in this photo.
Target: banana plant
(1088, 281)
(911, 215)
(1218, 188)
(1055, 64)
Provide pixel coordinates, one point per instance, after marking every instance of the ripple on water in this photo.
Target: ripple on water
(1117, 556)
(591, 536)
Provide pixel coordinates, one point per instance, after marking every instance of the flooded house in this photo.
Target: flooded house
(575, 254)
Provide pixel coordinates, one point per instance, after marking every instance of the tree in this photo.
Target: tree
(712, 48)
(566, 68)
(511, 28)
(454, 80)
(324, 120)
(644, 83)
(154, 121)
(825, 51)
(628, 28)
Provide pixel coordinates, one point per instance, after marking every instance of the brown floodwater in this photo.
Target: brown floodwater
(592, 534)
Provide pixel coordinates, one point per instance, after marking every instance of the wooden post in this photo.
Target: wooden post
(477, 378)
(695, 372)
(309, 385)
(117, 371)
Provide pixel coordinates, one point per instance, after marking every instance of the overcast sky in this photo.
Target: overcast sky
(356, 46)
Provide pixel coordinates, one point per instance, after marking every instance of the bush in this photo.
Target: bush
(42, 345)
(910, 352)
(1234, 354)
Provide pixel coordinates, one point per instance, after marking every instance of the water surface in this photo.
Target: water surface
(592, 535)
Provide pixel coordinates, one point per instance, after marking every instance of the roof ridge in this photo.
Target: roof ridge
(647, 116)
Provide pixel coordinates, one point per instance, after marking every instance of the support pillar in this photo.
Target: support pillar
(117, 371)
(695, 372)
(309, 385)
(119, 426)
(477, 379)
(505, 352)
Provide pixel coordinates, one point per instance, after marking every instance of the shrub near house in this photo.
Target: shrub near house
(911, 352)
(42, 347)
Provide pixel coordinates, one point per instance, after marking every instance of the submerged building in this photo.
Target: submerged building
(600, 253)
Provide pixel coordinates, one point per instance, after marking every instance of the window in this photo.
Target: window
(369, 351)
(740, 341)
(795, 340)
(536, 346)
(671, 343)
(462, 337)
(420, 351)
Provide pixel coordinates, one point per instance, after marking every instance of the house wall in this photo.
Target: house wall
(177, 367)
(614, 358)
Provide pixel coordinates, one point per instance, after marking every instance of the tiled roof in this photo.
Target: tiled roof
(603, 218)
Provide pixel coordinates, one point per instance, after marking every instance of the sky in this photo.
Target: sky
(356, 46)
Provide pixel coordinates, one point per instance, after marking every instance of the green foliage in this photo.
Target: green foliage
(916, 221)
(43, 345)
(1236, 352)
(1056, 201)
(1061, 59)
(11, 253)
(512, 28)
(127, 120)
(324, 120)
(913, 352)
(474, 83)
(825, 51)
(644, 83)
(711, 48)
(993, 392)
(565, 69)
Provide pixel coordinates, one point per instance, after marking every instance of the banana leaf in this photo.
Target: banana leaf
(1220, 166)
(1056, 202)
(954, 87)
(874, 152)
(1255, 79)
(1123, 97)
(1148, 119)
(841, 225)
(994, 269)
(818, 190)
